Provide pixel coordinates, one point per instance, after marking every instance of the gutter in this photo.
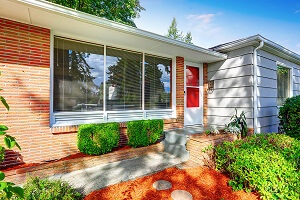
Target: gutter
(255, 69)
(102, 22)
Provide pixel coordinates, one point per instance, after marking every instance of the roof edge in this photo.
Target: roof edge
(91, 19)
(254, 40)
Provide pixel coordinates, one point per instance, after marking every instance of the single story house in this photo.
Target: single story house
(62, 68)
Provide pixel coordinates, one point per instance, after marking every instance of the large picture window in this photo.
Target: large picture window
(157, 82)
(283, 84)
(82, 84)
(124, 80)
(78, 76)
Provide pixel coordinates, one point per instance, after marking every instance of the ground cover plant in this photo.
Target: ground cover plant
(144, 132)
(96, 139)
(268, 164)
(36, 189)
(289, 115)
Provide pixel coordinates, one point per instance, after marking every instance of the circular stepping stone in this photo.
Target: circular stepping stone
(181, 195)
(162, 185)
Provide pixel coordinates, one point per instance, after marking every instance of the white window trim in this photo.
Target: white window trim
(291, 77)
(160, 114)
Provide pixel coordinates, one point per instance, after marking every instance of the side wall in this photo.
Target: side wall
(267, 89)
(233, 87)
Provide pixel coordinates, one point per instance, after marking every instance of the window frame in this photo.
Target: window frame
(104, 115)
(278, 63)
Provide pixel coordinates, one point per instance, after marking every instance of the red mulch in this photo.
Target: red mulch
(202, 183)
(70, 157)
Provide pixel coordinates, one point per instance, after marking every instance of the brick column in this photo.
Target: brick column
(205, 93)
(180, 91)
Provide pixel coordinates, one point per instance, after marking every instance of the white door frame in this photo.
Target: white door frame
(200, 66)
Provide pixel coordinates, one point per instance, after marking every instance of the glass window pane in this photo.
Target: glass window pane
(78, 76)
(157, 83)
(283, 84)
(124, 80)
(192, 76)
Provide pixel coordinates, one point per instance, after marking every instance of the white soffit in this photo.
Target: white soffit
(74, 24)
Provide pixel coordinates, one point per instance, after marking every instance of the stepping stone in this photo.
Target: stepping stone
(162, 185)
(181, 195)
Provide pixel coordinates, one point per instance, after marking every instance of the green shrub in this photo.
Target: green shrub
(144, 132)
(36, 189)
(268, 164)
(289, 115)
(96, 139)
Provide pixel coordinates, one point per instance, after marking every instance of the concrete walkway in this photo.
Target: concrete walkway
(94, 178)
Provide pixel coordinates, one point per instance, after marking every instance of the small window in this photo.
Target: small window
(283, 84)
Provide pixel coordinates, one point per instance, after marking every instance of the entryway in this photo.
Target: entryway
(193, 94)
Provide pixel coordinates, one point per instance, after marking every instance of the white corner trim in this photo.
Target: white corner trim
(255, 88)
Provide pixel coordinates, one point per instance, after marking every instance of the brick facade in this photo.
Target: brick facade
(25, 68)
(180, 91)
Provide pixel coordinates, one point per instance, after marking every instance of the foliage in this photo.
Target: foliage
(289, 115)
(188, 38)
(174, 33)
(36, 188)
(117, 10)
(10, 142)
(214, 129)
(239, 122)
(96, 139)
(144, 132)
(268, 164)
(232, 129)
(207, 132)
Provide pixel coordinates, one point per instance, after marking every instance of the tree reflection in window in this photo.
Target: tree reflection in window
(124, 80)
(78, 76)
(157, 83)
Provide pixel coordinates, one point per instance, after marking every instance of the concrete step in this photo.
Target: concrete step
(176, 150)
(174, 138)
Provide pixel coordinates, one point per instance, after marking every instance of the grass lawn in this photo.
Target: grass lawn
(202, 183)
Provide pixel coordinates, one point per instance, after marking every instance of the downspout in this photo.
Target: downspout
(255, 69)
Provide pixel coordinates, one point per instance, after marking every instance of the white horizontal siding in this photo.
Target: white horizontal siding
(267, 89)
(233, 87)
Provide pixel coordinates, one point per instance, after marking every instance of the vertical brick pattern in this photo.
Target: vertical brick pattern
(180, 91)
(205, 93)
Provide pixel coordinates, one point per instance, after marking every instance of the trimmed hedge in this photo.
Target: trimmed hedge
(96, 139)
(289, 115)
(268, 164)
(36, 188)
(144, 132)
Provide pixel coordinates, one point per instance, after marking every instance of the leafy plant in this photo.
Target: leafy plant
(214, 129)
(232, 129)
(239, 122)
(36, 188)
(144, 132)
(268, 164)
(96, 139)
(289, 116)
(10, 142)
(207, 132)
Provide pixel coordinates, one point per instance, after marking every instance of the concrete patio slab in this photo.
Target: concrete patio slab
(94, 178)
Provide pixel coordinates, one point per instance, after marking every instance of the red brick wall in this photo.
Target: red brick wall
(25, 79)
(180, 91)
(25, 68)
